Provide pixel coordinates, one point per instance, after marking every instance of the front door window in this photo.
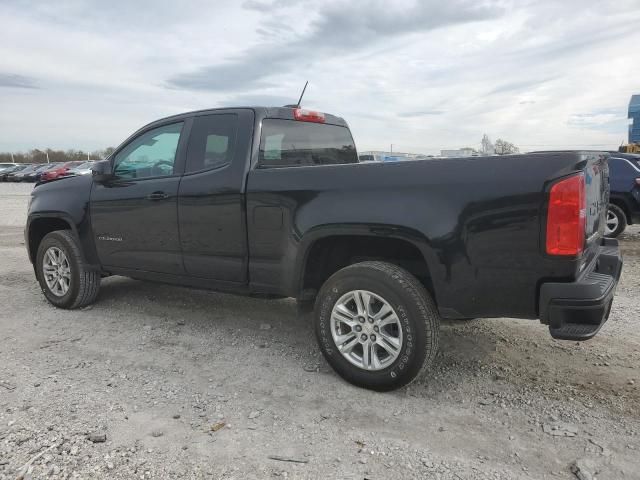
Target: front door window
(152, 154)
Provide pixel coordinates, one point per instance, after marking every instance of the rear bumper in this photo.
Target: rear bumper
(577, 310)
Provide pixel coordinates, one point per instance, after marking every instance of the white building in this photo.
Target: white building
(382, 156)
(460, 152)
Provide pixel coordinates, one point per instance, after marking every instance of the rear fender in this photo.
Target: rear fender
(364, 230)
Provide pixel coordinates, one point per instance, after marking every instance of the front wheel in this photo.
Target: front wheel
(376, 325)
(616, 221)
(64, 278)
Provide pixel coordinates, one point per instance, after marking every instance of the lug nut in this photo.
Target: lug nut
(364, 336)
(361, 319)
(375, 329)
(370, 320)
(358, 328)
(373, 338)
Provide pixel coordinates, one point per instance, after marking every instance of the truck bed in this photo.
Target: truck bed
(479, 222)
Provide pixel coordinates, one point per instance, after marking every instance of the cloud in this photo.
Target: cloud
(264, 100)
(606, 119)
(16, 81)
(520, 85)
(422, 74)
(421, 113)
(336, 29)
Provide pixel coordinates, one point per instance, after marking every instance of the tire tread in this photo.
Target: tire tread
(421, 298)
(622, 220)
(88, 280)
(419, 294)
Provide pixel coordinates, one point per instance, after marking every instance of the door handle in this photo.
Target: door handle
(157, 196)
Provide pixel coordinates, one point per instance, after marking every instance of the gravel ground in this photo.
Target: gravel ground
(155, 381)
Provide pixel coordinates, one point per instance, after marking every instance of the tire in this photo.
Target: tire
(616, 222)
(82, 284)
(415, 325)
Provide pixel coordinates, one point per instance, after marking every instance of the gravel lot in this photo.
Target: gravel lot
(193, 384)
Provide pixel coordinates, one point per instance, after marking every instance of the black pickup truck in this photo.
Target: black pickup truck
(273, 202)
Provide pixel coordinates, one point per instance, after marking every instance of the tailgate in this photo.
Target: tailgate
(596, 173)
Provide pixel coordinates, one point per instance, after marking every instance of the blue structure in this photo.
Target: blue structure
(634, 115)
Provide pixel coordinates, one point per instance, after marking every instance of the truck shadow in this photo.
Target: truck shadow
(482, 357)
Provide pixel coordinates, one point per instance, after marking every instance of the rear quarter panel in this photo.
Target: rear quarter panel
(477, 221)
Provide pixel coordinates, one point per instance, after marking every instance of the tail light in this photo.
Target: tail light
(303, 115)
(637, 181)
(566, 217)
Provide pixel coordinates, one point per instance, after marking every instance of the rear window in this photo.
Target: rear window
(286, 143)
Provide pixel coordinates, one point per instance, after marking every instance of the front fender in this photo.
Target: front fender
(66, 200)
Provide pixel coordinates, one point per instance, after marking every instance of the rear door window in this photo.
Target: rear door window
(287, 143)
(212, 142)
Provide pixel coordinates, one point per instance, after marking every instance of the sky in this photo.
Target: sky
(421, 75)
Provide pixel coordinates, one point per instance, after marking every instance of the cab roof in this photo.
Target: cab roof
(285, 113)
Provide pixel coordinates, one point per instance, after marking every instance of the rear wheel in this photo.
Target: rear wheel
(64, 278)
(616, 221)
(376, 324)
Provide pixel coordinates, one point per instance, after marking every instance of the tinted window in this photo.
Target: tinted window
(289, 143)
(622, 175)
(212, 142)
(620, 167)
(152, 154)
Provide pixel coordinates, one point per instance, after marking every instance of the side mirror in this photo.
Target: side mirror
(101, 171)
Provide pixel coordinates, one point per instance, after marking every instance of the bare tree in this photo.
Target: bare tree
(40, 156)
(502, 147)
(487, 146)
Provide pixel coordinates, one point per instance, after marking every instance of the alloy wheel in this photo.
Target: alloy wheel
(56, 270)
(366, 330)
(611, 223)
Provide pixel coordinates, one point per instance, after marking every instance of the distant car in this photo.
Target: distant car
(59, 171)
(19, 176)
(634, 158)
(82, 169)
(5, 172)
(34, 175)
(37, 176)
(5, 166)
(624, 199)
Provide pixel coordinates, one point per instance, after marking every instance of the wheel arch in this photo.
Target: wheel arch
(326, 249)
(622, 203)
(39, 225)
